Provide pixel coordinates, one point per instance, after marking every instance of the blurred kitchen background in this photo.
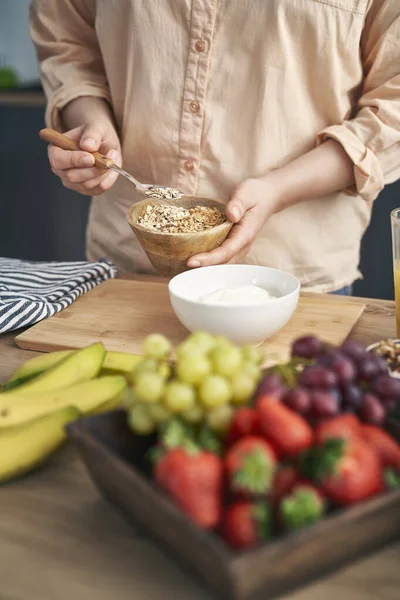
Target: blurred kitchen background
(40, 220)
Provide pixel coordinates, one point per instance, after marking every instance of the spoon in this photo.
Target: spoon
(145, 189)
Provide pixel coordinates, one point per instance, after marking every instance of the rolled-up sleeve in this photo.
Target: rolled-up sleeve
(70, 60)
(372, 137)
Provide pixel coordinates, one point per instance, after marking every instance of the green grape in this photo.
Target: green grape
(188, 347)
(214, 391)
(164, 370)
(159, 413)
(156, 346)
(226, 361)
(128, 397)
(147, 365)
(193, 415)
(202, 341)
(193, 368)
(179, 396)
(219, 418)
(140, 421)
(149, 387)
(252, 370)
(243, 387)
(221, 341)
(252, 354)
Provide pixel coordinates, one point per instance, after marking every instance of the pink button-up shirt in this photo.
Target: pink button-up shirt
(207, 93)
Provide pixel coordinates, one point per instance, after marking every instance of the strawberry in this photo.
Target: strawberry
(287, 431)
(303, 506)
(286, 477)
(385, 445)
(245, 422)
(246, 524)
(193, 478)
(347, 471)
(343, 427)
(250, 466)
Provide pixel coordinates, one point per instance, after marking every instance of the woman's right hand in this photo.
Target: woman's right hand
(76, 168)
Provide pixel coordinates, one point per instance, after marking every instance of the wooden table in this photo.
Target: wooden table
(60, 541)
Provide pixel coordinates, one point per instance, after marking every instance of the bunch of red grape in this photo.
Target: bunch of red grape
(335, 380)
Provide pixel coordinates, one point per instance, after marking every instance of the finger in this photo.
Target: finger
(94, 187)
(242, 200)
(240, 237)
(100, 184)
(93, 135)
(115, 156)
(68, 159)
(81, 175)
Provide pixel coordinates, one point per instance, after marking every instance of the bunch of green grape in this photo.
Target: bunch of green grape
(208, 379)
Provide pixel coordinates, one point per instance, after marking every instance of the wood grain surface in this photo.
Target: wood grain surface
(59, 540)
(121, 313)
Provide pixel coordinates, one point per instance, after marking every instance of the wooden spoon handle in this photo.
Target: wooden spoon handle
(62, 141)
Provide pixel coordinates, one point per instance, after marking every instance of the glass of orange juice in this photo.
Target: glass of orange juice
(395, 218)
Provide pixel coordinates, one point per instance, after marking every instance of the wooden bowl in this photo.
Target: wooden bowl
(117, 463)
(169, 252)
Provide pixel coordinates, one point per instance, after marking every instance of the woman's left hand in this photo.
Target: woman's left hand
(251, 204)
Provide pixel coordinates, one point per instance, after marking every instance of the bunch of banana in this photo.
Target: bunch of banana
(50, 391)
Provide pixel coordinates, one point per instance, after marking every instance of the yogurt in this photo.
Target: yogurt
(241, 295)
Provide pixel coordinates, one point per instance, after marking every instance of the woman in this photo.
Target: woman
(288, 110)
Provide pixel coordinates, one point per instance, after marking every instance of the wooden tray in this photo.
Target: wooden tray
(120, 313)
(115, 460)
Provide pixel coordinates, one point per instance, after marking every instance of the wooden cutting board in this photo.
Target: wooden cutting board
(120, 313)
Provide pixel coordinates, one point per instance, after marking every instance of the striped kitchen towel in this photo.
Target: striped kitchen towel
(32, 291)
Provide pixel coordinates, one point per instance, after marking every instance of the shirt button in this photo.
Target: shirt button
(188, 164)
(194, 107)
(200, 45)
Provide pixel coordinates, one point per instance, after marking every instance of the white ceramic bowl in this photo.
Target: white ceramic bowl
(242, 324)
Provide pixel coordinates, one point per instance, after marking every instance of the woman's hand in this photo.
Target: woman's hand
(323, 170)
(76, 168)
(251, 204)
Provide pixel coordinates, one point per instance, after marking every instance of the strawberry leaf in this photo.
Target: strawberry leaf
(392, 479)
(207, 440)
(264, 518)
(255, 474)
(301, 508)
(173, 434)
(155, 453)
(318, 462)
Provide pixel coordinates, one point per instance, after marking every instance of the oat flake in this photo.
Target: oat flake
(176, 219)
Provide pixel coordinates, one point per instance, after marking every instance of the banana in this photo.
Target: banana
(37, 365)
(80, 365)
(25, 447)
(119, 363)
(114, 363)
(86, 396)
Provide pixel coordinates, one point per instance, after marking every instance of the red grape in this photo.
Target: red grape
(372, 410)
(308, 346)
(367, 369)
(353, 349)
(380, 363)
(324, 404)
(352, 397)
(318, 376)
(271, 384)
(298, 399)
(390, 404)
(344, 369)
(329, 356)
(386, 386)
